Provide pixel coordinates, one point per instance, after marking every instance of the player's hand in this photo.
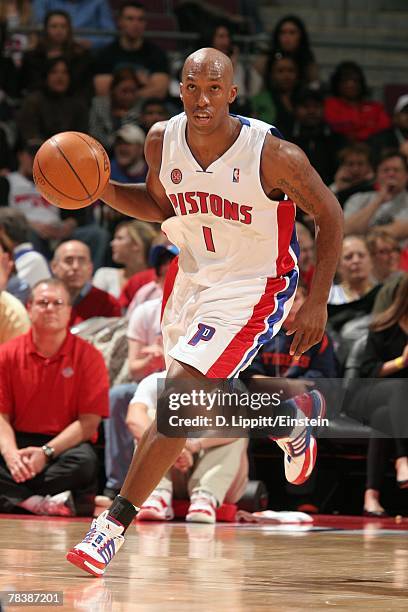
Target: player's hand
(308, 326)
(17, 467)
(34, 459)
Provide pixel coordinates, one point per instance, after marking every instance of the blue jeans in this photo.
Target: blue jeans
(119, 442)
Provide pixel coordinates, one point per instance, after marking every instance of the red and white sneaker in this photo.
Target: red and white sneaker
(99, 546)
(157, 507)
(301, 450)
(202, 508)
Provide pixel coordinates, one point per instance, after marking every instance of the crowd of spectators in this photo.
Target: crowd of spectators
(60, 268)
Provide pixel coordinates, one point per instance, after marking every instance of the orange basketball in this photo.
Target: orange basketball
(71, 170)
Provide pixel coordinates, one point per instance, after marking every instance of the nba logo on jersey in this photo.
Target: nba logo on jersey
(235, 175)
(204, 332)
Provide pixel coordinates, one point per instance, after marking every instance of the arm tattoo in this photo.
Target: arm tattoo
(298, 197)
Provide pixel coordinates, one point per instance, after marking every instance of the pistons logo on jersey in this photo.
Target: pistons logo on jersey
(204, 333)
(176, 176)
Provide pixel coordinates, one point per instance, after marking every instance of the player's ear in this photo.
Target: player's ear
(181, 91)
(233, 94)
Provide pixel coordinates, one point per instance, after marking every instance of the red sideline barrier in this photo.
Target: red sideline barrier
(225, 513)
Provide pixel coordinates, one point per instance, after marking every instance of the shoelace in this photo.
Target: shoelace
(297, 446)
(90, 535)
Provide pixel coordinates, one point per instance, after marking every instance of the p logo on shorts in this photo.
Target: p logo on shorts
(204, 332)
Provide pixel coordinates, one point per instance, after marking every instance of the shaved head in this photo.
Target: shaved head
(211, 62)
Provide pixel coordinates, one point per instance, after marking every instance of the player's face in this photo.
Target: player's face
(49, 308)
(206, 94)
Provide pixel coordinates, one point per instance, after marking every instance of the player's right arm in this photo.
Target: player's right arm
(147, 202)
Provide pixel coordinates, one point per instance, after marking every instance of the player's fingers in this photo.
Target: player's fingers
(303, 345)
(295, 343)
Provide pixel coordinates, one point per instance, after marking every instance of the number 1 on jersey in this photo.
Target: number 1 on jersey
(208, 238)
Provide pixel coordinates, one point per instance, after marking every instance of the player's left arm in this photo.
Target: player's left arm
(286, 168)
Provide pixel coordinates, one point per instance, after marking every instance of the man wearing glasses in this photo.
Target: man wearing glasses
(53, 395)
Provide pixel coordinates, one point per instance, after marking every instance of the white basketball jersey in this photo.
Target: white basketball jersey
(225, 226)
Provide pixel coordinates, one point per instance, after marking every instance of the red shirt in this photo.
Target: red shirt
(96, 303)
(134, 283)
(404, 260)
(356, 122)
(43, 395)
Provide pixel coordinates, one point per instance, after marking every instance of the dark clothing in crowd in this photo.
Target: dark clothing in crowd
(149, 58)
(76, 469)
(345, 194)
(80, 68)
(384, 346)
(43, 114)
(274, 359)
(321, 146)
(391, 138)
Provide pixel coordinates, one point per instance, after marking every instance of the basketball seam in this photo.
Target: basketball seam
(55, 143)
(96, 159)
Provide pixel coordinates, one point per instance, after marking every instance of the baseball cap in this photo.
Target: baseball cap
(157, 252)
(402, 102)
(130, 133)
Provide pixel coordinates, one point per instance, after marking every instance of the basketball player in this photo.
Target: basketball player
(216, 181)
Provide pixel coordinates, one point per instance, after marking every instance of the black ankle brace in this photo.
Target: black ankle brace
(123, 511)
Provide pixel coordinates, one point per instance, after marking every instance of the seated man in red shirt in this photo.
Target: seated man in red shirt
(72, 264)
(53, 395)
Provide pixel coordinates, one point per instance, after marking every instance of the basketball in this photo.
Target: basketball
(71, 170)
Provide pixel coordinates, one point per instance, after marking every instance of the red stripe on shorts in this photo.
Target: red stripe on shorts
(169, 283)
(286, 219)
(234, 353)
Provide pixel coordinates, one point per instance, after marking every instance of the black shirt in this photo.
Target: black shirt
(149, 57)
(383, 346)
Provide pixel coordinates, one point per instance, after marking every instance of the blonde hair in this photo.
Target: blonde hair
(140, 232)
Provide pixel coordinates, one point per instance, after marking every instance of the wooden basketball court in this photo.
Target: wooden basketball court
(338, 563)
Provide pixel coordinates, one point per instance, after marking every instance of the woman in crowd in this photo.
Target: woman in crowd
(54, 108)
(247, 79)
(109, 113)
(347, 110)
(58, 41)
(290, 37)
(355, 271)
(382, 405)
(274, 104)
(130, 249)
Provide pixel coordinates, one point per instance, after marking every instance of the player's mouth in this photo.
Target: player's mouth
(202, 118)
